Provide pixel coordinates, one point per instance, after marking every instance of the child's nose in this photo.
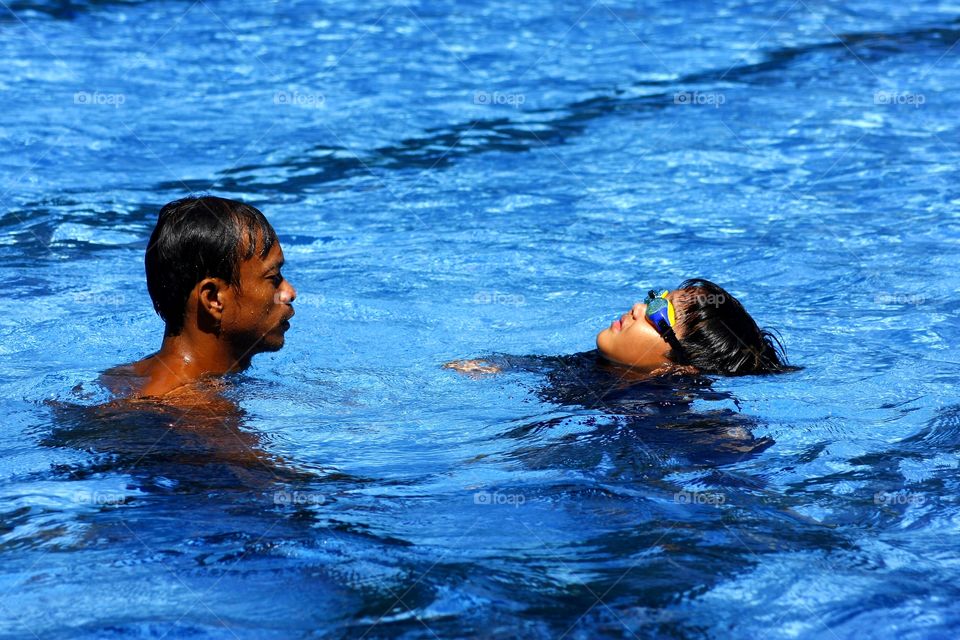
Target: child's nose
(637, 310)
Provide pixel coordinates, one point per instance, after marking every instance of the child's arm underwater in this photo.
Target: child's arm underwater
(579, 365)
(473, 367)
(503, 363)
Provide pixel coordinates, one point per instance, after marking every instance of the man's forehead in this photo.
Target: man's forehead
(256, 263)
(275, 255)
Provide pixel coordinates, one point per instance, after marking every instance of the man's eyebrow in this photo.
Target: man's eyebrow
(276, 265)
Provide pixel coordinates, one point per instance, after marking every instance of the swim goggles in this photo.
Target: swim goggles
(660, 312)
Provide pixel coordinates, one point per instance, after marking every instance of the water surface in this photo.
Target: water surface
(458, 180)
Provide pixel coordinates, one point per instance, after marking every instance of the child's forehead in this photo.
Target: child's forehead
(678, 296)
(681, 299)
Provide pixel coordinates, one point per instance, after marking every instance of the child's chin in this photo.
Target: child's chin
(603, 340)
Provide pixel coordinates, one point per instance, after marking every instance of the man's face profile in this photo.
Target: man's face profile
(256, 313)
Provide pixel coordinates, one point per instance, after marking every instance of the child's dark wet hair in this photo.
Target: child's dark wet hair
(197, 238)
(720, 337)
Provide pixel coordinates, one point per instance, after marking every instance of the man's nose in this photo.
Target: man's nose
(638, 310)
(286, 295)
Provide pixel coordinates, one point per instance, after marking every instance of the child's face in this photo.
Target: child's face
(633, 341)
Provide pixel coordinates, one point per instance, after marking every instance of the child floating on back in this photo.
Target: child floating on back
(697, 328)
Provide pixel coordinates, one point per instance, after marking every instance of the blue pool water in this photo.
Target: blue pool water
(458, 180)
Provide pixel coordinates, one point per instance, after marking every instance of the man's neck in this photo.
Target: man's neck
(191, 355)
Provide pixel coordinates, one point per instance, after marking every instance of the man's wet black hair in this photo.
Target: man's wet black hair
(197, 238)
(719, 336)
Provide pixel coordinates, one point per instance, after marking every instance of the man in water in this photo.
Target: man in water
(213, 273)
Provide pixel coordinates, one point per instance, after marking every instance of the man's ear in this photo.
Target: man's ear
(210, 297)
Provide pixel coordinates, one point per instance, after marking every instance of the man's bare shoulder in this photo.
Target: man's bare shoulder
(127, 379)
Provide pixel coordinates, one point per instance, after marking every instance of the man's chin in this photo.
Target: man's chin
(273, 345)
